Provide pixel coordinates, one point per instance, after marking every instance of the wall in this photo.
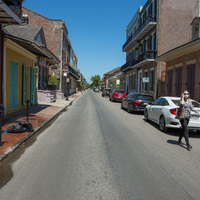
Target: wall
(183, 60)
(22, 57)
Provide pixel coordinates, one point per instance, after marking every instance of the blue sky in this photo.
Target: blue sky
(97, 29)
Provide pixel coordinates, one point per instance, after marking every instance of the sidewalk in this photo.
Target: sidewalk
(39, 115)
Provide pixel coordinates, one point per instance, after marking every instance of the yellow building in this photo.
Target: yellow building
(19, 78)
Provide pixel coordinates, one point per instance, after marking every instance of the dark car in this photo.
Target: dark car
(117, 95)
(136, 102)
(106, 92)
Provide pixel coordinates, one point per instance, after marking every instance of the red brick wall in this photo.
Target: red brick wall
(183, 60)
(52, 30)
(174, 23)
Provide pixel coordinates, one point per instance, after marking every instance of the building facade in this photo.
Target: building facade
(183, 66)
(156, 28)
(57, 41)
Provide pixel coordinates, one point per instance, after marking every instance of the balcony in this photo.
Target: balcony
(149, 23)
(125, 66)
(71, 71)
(140, 60)
(10, 11)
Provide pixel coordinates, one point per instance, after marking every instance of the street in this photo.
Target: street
(96, 150)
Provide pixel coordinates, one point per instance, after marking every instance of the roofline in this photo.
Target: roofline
(161, 57)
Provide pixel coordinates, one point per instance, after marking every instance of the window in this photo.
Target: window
(178, 81)
(163, 102)
(191, 79)
(156, 102)
(169, 82)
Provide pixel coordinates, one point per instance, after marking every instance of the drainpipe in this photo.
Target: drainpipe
(1, 65)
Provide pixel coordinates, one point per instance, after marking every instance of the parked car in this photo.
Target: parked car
(96, 89)
(106, 92)
(117, 95)
(136, 102)
(163, 112)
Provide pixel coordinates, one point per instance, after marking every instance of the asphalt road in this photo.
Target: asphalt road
(95, 150)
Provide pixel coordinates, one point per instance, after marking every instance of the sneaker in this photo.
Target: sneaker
(189, 147)
(180, 143)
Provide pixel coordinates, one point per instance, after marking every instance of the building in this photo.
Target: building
(183, 66)
(109, 76)
(34, 35)
(57, 41)
(155, 29)
(10, 13)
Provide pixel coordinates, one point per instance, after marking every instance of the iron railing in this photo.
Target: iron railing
(147, 21)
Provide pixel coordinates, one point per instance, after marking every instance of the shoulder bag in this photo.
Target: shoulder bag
(180, 113)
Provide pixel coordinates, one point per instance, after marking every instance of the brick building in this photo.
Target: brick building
(155, 29)
(183, 66)
(57, 41)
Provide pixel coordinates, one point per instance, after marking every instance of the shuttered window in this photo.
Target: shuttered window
(191, 79)
(178, 81)
(169, 82)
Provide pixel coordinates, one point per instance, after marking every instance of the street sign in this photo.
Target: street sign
(145, 79)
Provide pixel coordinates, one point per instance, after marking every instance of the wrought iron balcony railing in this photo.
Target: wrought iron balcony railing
(149, 54)
(140, 29)
(142, 26)
(15, 6)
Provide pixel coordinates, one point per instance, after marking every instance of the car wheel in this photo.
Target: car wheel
(112, 99)
(128, 109)
(162, 124)
(146, 115)
(109, 99)
(122, 106)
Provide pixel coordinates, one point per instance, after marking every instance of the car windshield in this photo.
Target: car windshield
(120, 91)
(145, 97)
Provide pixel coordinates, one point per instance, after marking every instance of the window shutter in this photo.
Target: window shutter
(24, 85)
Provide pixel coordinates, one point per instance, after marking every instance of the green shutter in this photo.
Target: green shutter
(13, 85)
(32, 85)
(24, 86)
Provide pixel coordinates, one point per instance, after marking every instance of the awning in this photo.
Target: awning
(7, 16)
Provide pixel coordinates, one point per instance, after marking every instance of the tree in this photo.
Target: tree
(96, 80)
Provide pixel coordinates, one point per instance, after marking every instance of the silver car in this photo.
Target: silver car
(163, 112)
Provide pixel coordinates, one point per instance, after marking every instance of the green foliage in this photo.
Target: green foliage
(52, 80)
(96, 80)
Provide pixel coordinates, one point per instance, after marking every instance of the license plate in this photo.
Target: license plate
(196, 117)
(120, 95)
(145, 104)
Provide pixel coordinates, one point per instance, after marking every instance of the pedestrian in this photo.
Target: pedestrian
(186, 102)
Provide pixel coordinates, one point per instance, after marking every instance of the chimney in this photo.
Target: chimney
(25, 20)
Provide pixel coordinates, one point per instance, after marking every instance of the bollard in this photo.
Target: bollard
(1, 109)
(27, 109)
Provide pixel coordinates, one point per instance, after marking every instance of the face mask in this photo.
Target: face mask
(186, 95)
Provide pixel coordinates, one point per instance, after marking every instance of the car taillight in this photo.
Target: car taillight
(136, 101)
(173, 111)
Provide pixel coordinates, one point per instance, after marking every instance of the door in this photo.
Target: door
(178, 81)
(13, 85)
(140, 81)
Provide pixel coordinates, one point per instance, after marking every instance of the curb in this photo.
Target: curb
(12, 148)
